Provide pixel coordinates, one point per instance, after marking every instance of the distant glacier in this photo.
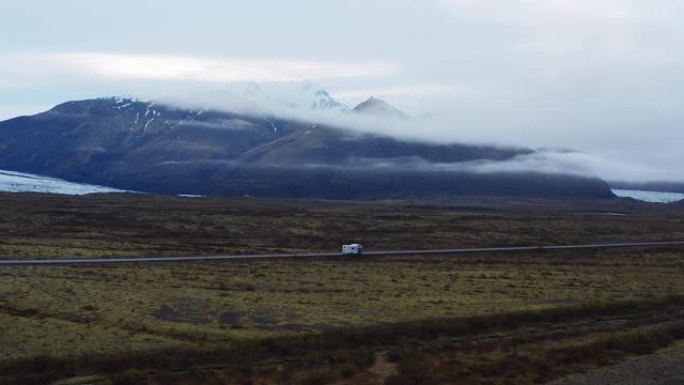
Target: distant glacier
(650, 196)
(11, 181)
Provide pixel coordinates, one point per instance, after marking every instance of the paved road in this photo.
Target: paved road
(32, 262)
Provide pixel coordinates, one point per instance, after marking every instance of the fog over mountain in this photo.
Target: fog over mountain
(301, 101)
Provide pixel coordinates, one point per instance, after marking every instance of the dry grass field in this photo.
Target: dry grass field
(40, 226)
(51, 318)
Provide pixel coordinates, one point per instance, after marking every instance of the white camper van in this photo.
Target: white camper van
(353, 249)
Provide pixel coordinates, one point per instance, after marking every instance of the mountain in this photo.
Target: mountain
(19, 182)
(379, 107)
(145, 146)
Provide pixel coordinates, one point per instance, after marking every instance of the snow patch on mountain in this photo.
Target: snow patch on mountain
(11, 181)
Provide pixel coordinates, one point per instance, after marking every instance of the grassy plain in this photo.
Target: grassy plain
(60, 313)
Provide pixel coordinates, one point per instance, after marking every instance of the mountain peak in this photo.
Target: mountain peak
(323, 102)
(379, 107)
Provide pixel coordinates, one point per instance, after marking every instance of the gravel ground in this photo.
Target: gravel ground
(663, 368)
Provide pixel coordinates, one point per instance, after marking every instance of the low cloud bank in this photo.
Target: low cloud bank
(543, 161)
(294, 101)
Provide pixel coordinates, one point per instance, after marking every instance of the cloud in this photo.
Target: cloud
(212, 69)
(577, 11)
(433, 129)
(217, 124)
(607, 28)
(409, 90)
(195, 162)
(22, 69)
(543, 161)
(580, 164)
(635, 159)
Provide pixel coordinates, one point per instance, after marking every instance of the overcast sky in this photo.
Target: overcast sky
(604, 77)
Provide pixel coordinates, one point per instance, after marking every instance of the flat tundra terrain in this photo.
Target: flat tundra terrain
(483, 318)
